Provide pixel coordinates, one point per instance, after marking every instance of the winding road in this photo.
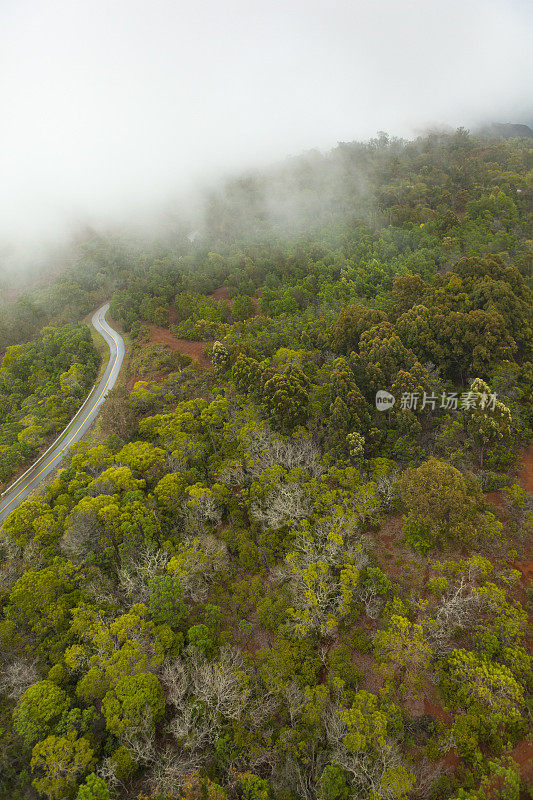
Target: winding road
(79, 425)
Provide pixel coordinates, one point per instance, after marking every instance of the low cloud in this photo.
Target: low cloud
(114, 109)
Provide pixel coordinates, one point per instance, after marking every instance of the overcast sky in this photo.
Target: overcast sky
(111, 106)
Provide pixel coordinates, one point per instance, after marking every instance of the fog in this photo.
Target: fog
(113, 109)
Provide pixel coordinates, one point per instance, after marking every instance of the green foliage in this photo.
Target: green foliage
(165, 603)
(221, 569)
(417, 535)
(39, 711)
(134, 705)
(220, 357)
(341, 672)
(479, 684)
(155, 358)
(404, 652)
(39, 606)
(370, 727)
(128, 645)
(42, 384)
(253, 787)
(243, 308)
(94, 788)
(334, 783)
(59, 763)
(170, 493)
(200, 638)
(444, 506)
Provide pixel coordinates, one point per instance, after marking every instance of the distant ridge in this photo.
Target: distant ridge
(506, 130)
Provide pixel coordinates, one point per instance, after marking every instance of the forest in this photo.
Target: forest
(42, 384)
(252, 581)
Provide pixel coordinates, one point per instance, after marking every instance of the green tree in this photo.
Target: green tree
(478, 684)
(404, 652)
(221, 357)
(488, 424)
(441, 501)
(200, 638)
(285, 398)
(166, 600)
(39, 606)
(243, 308)
(39, 710)
(134, 705)
(170, 493)
(352, 322)
(94, 788)
(334, 783)
(60, 762)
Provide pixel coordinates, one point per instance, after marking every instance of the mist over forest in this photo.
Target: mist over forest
(122, 114)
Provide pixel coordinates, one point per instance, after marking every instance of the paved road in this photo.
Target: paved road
(79, 425)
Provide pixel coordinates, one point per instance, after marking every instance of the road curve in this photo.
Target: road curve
(79, 424)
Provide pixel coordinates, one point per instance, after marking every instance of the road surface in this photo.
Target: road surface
(78, 426)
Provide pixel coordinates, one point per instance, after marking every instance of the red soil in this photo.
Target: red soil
(172, 316)
(196, 350)
(495, 498)
(193, 349)
(525, 474)
(523, 755)
(390, 531)
(222, 293)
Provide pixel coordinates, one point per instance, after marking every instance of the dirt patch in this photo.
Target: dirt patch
(525, 473)
(495, 498)
(391, 531)
(222, 293)
(396, 558)
(260, 639)
(526, 568)
(172, 315)
(523, 755)
(196, 350)
(366, 664)
(193, 349)
(434, 707)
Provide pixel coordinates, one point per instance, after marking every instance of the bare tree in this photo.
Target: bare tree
(134, 577)
(368, 768)
(199, 564)
(223, 685)
(204, 693)
(140, 740)
(387, 490)
(372, 600)
(17, 676)
(172, 768)
(459, 609)
(82, 533)
(117, 416)
(265, 449)
(285, 502)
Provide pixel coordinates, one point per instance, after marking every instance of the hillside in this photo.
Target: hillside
(256, 581)
(508, 130)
